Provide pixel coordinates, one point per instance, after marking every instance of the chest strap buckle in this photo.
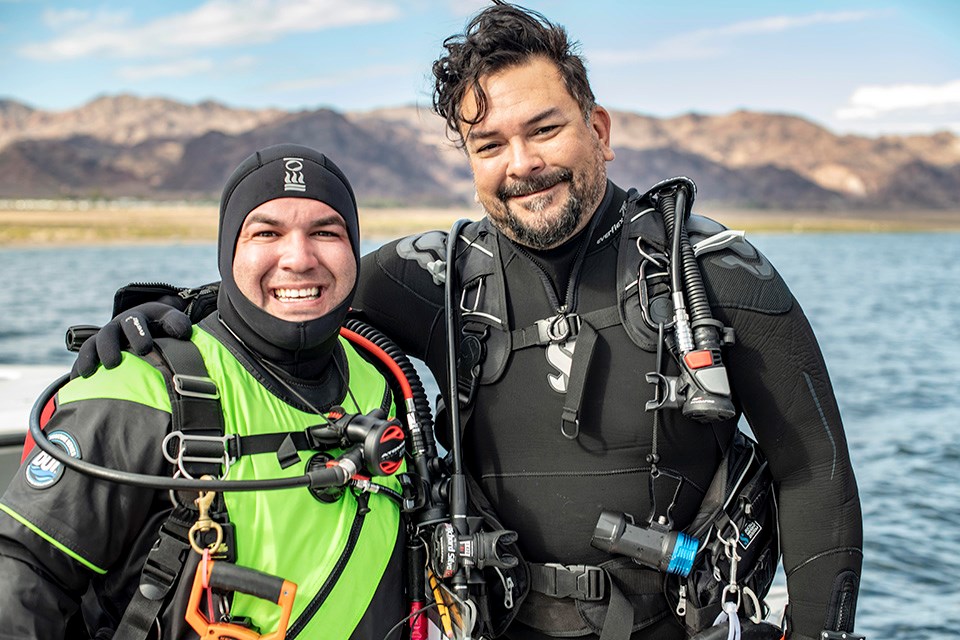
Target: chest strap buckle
(557, 329)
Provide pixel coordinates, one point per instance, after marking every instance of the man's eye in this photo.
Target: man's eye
(548, 128)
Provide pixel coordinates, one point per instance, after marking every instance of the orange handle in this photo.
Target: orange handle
(236, 578)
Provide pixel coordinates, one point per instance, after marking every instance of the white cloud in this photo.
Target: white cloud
(711, 42)
(778, 24)
(875, 100)
(337, 79)
(63, 18)
(177, 69)
(213, 24)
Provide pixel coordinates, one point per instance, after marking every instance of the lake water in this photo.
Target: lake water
(885, 309)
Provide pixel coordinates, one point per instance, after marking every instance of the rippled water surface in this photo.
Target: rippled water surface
(885, 308)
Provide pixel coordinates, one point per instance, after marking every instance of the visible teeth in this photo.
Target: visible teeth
(296, 294)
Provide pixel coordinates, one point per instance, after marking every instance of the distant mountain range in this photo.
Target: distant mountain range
(152, 148)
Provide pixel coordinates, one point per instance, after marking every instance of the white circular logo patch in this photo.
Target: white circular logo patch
(44, 470)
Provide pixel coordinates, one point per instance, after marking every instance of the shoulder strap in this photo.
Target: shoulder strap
(643, 293)
(197, 418)
(197, 428)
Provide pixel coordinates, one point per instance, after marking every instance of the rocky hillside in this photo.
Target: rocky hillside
(126, 146)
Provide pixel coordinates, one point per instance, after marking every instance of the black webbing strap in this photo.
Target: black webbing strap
(588, 584)
(194, 403)
(195, 411)
(590, 324)
(160, 572)
(618, 623)
(284, 444)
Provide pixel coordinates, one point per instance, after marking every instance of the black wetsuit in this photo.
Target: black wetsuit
(551, 489)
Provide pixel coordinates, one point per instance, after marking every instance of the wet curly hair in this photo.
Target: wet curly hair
(501, 36)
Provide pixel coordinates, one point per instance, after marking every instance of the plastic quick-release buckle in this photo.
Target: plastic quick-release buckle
(578, 581)
(196, 449)
(162, 566)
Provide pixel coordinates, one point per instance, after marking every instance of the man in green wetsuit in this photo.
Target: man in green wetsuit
(288, 258)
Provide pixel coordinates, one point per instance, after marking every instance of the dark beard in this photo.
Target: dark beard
(562, 228)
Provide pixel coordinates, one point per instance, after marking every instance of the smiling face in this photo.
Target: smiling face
(538, 164)
(294, 260)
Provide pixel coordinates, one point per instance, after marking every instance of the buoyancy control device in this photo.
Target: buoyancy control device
(662, 304)
(370, 445)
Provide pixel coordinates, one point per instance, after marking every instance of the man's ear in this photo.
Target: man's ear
(600, 122)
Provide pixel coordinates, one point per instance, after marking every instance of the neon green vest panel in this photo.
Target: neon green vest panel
(289, 533)
(286, 533)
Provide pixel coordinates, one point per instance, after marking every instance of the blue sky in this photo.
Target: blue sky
(850, 65)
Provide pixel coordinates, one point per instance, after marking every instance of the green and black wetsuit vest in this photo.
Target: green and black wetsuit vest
(87, 529)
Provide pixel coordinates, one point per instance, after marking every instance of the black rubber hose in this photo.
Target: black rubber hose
(688, 274)
(457, 494)
(697, 303)
(420, 402)
(668, 208)
(332, 476)
(453, 335)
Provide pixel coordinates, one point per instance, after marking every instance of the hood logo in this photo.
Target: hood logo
(293, 175)
(44, 470)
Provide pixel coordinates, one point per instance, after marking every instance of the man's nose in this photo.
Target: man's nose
(297, 253)
(525, 159)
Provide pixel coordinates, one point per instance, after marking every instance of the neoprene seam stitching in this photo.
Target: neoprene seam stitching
(823, 554)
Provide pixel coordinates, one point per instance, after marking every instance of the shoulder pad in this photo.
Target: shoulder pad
(641, 226)
(735, 273)
(482, 291)
(699, 227)
(428, 250)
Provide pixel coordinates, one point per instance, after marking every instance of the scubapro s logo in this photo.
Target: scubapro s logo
(293, 175)
(44, 470)
(560, 357)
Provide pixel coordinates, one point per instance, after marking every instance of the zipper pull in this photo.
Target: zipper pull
(682, 604)
(507, 583)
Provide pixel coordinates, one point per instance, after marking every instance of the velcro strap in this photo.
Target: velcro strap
(618, 622)
(577, 581)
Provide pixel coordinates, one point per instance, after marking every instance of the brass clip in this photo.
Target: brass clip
(205, 523)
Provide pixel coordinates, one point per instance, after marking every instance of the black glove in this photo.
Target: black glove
(132, 330)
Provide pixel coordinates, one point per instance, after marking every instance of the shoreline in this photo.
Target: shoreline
(52, 224)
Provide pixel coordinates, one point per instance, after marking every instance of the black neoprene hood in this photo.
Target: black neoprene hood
(281, 171)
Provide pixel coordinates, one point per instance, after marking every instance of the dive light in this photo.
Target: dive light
(653, 546)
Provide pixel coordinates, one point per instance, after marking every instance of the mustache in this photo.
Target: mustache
(532, 185)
